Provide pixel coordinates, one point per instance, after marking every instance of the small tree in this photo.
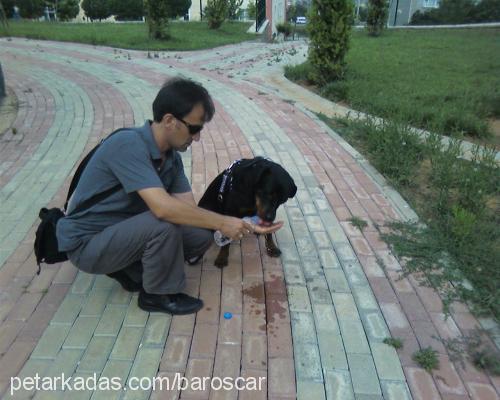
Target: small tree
(329, 30)
(251, 9)
(159, 11)
(96, 9)
(157, 18)
(31, 8)
(216, 11)
(127, 10)
(67, 9)
(233, 8)
(377, 16)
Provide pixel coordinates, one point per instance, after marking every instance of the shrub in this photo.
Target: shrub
(301, 72)
(216, 11)
(377, 16)
(329, 30)
(8, 7)
(128, 10)
(157, 19)
(31, 8)
(97, 9)
(459, 12)
(394, 342)
(67, 9)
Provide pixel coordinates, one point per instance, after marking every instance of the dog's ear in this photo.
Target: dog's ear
(292, 189)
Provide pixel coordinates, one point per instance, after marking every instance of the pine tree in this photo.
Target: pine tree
(376, 19)
(329, 30)
(67, 9)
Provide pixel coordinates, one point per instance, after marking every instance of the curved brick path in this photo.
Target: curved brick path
(311, 322)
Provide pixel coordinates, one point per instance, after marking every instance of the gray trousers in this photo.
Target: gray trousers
(146, 248)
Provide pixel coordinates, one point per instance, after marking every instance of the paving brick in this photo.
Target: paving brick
(8, 332)
(175, 354)
(259, 391)
(387, 362)
(310, 390)
(15, 357)
(95, 303)
(281, 377)
(447, 379)
(198, 368)
(354, 336)
(303, 329)
(182, 325)
(83, 283)
(363, 374)
(117, 370)
(24, 307)
(329, 259)
(156, 330)
(480, 391)
(298, 299)
(421, 384)
(230, 330)
(338, 385)
(51, 341)
(394, 316)
(96, 354)
(332, 352)
(325, 319)
(307, 361)
(119, 296)
(111, 321)
(81, 332)
(145, 365)
(127, 343)
(395, 390)
(345, 307)
(375, 326)
(279, 340)
(65, 362)
(254, 352)
(69, 309)
(204, 340)
(337, 281)
(318, 291)
(135, 316)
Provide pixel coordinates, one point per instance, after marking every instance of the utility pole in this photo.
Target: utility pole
(396, 12)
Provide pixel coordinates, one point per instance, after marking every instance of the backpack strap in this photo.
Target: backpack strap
(78, 173)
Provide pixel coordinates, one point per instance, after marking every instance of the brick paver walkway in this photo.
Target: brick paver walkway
(312, 322)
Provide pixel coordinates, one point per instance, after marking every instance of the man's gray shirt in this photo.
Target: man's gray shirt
(131, 158)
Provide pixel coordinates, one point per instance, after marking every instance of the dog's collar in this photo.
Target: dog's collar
(227, 180)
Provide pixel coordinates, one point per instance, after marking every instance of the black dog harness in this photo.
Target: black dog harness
(227, 178)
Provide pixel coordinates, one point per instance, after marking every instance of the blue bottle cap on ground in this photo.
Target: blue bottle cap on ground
(228, 315)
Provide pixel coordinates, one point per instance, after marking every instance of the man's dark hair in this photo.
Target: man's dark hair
(178, 96)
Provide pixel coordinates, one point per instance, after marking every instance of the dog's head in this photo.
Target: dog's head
(271, 185)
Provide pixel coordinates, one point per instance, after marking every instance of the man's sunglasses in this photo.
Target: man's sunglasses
(193, 129)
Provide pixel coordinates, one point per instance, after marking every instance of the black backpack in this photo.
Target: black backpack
(46, 247)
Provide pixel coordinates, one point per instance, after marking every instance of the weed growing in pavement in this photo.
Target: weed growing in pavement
(359, 223)
(472, 346)
(394, 342)
(427, 359)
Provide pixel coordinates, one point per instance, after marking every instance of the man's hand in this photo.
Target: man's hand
(235, 228)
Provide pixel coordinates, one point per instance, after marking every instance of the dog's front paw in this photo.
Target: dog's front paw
(273, 251)
(221, 261)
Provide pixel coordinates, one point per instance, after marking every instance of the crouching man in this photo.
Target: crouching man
(142, 233)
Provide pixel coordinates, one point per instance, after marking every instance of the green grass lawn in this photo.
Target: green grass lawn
(447, 81)
(184, 35)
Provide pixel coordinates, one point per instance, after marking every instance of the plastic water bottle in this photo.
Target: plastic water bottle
(221, 240)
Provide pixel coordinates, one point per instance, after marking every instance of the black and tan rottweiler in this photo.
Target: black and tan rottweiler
(249, 187)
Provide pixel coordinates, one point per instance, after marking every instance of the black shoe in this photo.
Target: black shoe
(175, 304)
(127, 283)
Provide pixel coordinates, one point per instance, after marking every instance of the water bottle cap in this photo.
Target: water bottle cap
(228, 315)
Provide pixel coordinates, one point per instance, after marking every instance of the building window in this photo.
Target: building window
(431, 3)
